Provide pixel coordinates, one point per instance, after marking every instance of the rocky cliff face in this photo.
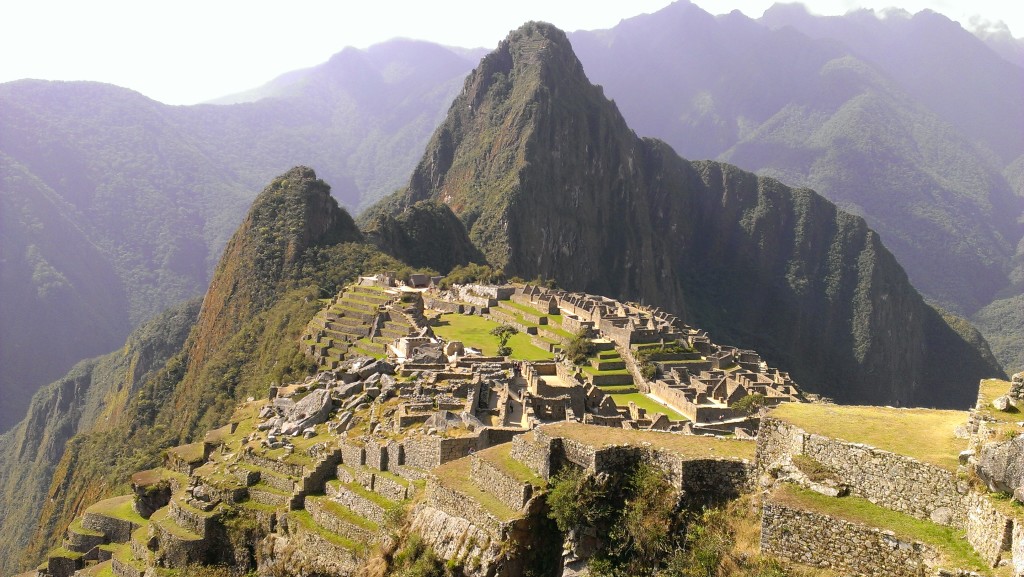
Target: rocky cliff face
(550, 181)
(93, 396)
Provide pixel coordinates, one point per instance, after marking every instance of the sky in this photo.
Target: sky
(189, 51)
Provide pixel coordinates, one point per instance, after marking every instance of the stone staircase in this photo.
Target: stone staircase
(348, 318)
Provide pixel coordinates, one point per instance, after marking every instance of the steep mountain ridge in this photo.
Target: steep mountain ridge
(295, 244)
(147, 195)
(550, 181)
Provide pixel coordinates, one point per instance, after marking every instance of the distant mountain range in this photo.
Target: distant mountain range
(536, 171)
(116, 207)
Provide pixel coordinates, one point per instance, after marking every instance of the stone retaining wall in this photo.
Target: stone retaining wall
(491, 478)
(188, 518)
(124, 569)
(82, 543)
(989, 531)
(390, 488)
(117, 530)
(362, 506)
(534, 451)
(376, 455)
(318, 555)
(177, 551)
(456, 504)
(268, 498)
(893, 481)
(823, 541)
(286, 484)
(326, 519)
(262, 462)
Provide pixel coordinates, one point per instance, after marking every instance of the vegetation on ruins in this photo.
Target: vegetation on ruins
(580, 348)
(749, 404)
(472, 273)
(504, 333)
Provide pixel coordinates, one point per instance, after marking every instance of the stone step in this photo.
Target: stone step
(361, 500)
(78, 539)
(116, 518)
(343, 554)
(272, 497)
(124, 564)
(178, 545)
(341, 520)
(496, 472)
(63, 563)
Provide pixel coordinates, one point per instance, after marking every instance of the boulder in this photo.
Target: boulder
(312, 410)
(1001, 464)
(1001, 403)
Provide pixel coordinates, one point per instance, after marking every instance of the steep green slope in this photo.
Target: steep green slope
(92, 397)
(61, 299)
(295, 246)
(142, 197)
(550, 181)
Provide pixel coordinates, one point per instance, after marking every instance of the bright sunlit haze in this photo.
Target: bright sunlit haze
(191, 51)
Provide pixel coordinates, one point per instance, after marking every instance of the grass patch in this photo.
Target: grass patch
(524, 308)
(924, 434)
(591, 370)
(474, 331)
(618, 389)
(162, 520)
(77, 528)
(190, 453)
(686, 446)
(304, 519)
(118, 508)
(501, 455)
(951, 543)
(345, 514)
(455, 475)
(65, 554)
(646, 403)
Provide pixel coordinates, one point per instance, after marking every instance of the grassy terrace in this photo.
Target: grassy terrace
(686, 446)
(163, 520)
(474, 331)
(118, 508)
(345, 514)
(190, 453)
(951, 543)
(644, 402)
(304, 519)
(501, 455)
(924, 434)
(455, 475)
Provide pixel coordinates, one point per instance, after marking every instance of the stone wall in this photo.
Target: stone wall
(534, 450)
(188, 518)
(327, 520)
(121, 569)
(454, 537)
(423, 452)
(456, 504)
(117, 530)
(823, 541)
(262, 462)
(390, 488)
(352, 455)
(362, 506)
(988, 530)
(893, 481)
(510, 491)
(376, 455)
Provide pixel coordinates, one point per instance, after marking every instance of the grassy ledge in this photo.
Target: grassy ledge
(923, 434)
(686, 446)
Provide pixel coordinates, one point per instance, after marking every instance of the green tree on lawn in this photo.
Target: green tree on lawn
(504, 333)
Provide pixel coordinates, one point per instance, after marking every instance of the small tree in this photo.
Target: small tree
(749, 404)
(504, 333)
